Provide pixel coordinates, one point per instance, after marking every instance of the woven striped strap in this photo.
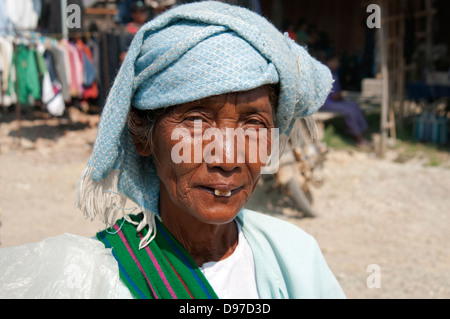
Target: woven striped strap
(161, 270)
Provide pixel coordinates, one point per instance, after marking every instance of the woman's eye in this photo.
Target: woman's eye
(256, 122)
(196, 120)
(193, 118)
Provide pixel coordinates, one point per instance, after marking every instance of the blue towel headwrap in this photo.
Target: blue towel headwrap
(188, 53)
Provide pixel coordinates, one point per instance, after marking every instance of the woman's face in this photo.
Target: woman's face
(214, 187)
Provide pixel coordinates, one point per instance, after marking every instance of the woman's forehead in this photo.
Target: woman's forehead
(256, 98)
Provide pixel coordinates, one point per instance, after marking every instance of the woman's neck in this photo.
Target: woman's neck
(204, 242)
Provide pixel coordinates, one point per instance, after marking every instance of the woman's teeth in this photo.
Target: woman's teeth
(222, 193)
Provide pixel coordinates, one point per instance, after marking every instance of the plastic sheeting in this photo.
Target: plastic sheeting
(66, 266)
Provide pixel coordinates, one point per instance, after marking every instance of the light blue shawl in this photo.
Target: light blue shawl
(191, 52)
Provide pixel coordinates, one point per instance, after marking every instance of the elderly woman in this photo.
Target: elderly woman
(196, 67)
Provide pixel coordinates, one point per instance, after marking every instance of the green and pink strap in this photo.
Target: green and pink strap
(161, 270)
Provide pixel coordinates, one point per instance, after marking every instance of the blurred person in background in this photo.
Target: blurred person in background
(354, 117)
(139, 13)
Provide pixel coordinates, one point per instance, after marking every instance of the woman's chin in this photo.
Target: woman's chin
(213, 209)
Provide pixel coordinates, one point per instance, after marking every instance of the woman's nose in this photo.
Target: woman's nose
(225, 151)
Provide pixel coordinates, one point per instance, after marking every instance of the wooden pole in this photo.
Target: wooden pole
(428, 32)
(64, 28)
(18, 107)
(277, 13)
(382, 45)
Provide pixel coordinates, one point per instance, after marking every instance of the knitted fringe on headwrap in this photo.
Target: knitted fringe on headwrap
(147, 220)
(104, 200)
(312, 127)
(304, 128)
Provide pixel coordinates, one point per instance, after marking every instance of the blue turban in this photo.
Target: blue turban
(188, 53)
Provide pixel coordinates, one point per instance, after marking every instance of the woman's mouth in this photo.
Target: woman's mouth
(221, 192)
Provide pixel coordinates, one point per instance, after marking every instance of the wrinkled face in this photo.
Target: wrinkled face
(215, 186)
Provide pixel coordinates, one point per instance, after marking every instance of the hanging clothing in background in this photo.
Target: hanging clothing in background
(94, 44)
(7, 71)
(19, 14)
(61, 68)
(58, 72)
(112, 46)
(40, 69)
(73, 70)
(90, 89)
(76, 69)
(28, 85)
(51, 87)
(4, 21)
(40, 62)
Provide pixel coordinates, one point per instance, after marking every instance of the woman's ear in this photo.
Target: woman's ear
(144, 148)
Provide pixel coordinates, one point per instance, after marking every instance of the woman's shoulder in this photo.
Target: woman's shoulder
(287, 253)
(66, 266)
(273, 226)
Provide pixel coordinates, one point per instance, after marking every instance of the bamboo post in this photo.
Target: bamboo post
(18, 107)
(382, 45)
(428, 32)
(64, 28)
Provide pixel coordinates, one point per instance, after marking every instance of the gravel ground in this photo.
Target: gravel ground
(382, 226)
(394, 216)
